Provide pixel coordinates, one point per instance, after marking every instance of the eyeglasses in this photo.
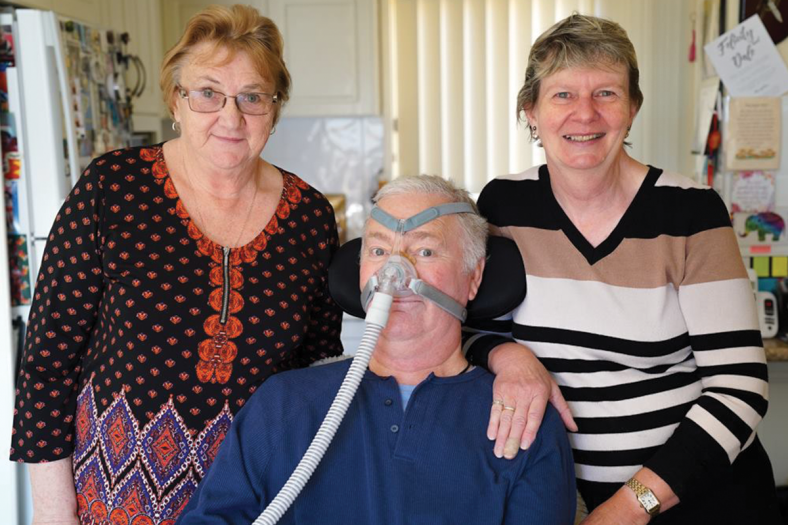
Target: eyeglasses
(210, 101)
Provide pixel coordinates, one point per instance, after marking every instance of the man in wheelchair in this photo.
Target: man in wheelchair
(412, 447)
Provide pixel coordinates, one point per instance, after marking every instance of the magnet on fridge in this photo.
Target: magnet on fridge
(761, 266)
(779, 266)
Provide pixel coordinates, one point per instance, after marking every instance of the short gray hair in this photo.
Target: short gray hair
(473, 225)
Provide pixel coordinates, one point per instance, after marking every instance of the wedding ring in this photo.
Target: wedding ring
(508, 408)
(498, 402)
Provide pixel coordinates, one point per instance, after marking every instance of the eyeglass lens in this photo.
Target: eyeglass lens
(209, 101)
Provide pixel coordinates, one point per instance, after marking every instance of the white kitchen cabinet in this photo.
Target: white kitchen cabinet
(83, 10)
(141, 19)
(88, 11)
(177, 12)
(331, 50)
(143, 23)
(36, 4)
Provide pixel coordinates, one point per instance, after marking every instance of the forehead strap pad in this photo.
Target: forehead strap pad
(421, 218)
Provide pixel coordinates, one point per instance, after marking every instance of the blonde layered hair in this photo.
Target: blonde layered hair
(578, 41)
(239, 28)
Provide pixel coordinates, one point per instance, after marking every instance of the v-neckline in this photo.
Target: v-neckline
(591, 253)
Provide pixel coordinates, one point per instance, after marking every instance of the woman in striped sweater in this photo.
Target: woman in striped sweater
(638, 303)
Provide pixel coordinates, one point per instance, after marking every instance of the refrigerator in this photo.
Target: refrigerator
(63, 101)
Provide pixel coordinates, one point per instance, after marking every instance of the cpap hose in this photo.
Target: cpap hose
(377, 316)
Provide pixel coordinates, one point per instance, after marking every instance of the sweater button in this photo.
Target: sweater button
(394, 429)
(388, 402)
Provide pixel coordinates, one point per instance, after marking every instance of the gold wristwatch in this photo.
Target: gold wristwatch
(645, 497)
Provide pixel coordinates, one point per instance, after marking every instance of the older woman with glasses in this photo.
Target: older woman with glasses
(176, 279)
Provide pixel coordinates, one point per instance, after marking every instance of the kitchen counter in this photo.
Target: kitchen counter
(776, 350)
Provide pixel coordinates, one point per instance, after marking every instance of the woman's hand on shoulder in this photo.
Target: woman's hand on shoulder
(521, 391)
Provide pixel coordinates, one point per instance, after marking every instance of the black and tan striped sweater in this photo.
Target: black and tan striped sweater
(652, 335)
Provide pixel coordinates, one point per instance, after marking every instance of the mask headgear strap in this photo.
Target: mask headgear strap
(443, 301)
(417, 286)
(421, 218)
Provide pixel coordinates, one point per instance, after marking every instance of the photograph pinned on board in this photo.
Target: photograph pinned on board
(7, 45)
(19, 265)
(11, 195)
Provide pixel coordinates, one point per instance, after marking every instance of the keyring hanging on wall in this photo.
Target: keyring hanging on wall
(141, 75)
(691, 55)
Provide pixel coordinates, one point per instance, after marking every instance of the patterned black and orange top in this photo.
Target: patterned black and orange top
(145, 337)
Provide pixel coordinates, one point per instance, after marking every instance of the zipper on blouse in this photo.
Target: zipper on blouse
(226, 284)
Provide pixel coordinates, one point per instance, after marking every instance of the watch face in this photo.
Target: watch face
(648, 500)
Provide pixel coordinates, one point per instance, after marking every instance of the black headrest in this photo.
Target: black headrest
(502, 288)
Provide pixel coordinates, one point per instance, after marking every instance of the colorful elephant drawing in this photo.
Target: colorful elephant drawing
(766, 223)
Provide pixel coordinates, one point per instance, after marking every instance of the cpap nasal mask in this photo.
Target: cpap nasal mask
(396, 278)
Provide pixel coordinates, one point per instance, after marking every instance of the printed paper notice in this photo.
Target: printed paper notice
(753, 138)
(748, 62)
(752, 191)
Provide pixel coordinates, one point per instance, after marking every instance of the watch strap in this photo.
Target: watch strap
(642, 493)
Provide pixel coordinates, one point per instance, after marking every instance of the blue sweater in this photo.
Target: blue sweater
(431, 464)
